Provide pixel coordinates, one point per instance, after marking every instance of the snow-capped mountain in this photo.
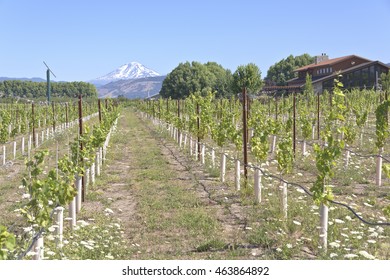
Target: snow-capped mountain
(132, 70)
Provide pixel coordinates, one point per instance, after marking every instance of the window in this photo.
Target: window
(356, 78)
(365, 77)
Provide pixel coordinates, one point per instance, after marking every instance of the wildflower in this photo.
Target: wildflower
(26, 196)
(88, 247)
(27, 229)
(380, 229)
(338, 221)
(289, 246)
(334, 245)
(371, 241)
(50, 237)
(279, 250)
(82, 223)
(109, 256)
(31, 253)
(333, 255)
(350, 256)
(52, 228)
(367, 255)
(300, 190)
(374, 234)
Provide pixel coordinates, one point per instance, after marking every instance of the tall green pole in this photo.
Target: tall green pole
(48, 85)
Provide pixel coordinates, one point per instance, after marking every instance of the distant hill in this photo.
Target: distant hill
(22, 79)
(129, 71)
(135, 88)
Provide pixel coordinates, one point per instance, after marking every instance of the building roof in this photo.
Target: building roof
(329, 62)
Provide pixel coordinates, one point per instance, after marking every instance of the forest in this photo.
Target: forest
(28, 89)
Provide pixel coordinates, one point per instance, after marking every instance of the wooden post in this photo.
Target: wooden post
(276, 108)
(245, 140)
(318, 116)
(178, 116)
(198, 125)
(294, 123)
(378, 177)
(33, 122)
(54, 117)
(66, 116)
(81, 144)
(100, 111)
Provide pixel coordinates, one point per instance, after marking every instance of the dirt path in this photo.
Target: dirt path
(168, 207)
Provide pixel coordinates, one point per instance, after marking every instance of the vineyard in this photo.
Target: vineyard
(301, 176)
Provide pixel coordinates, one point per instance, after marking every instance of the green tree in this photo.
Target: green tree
(282, 71)
(248, 76)
(193, 77)
(223, 79)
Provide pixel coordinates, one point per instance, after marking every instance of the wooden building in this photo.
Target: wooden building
(356, 71)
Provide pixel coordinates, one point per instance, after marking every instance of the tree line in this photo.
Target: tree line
(196, 77)
(192, 77)
(29, 89)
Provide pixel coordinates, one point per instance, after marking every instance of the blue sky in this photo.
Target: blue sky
(85, 39)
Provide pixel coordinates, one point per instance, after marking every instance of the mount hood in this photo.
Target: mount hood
(129, 71)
